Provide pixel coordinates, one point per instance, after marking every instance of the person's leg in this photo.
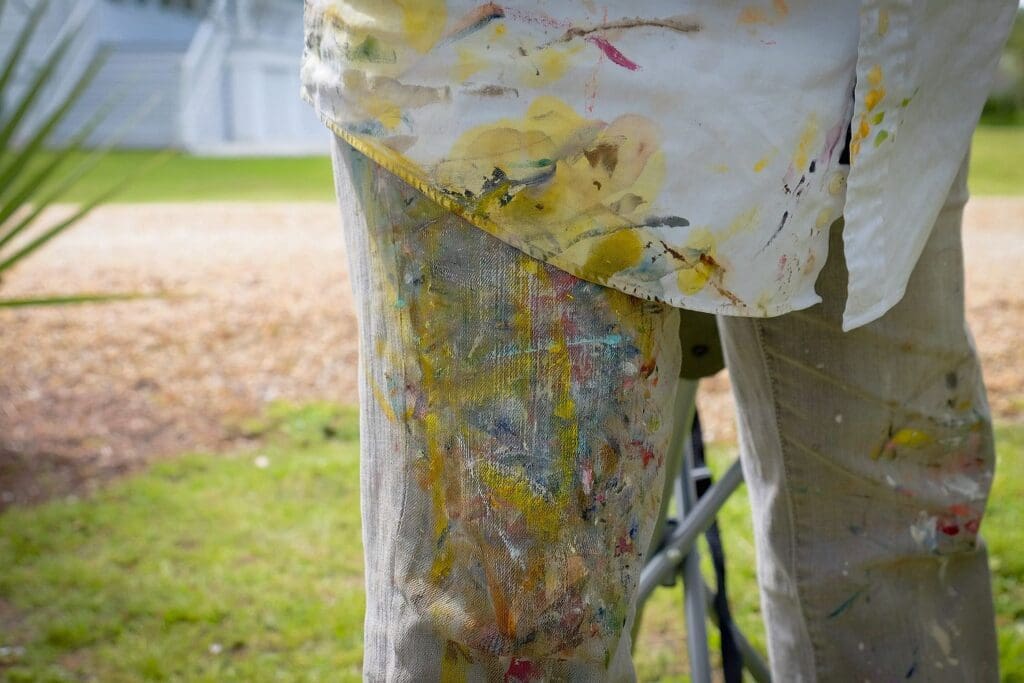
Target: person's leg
(869, 457)
(514, 422)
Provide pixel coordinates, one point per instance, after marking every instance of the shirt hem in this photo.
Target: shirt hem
(440, 198)
(852, 321)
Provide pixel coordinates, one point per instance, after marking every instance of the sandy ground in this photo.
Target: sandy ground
(255, 306)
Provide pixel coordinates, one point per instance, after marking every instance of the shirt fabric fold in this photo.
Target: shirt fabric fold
(685, 152)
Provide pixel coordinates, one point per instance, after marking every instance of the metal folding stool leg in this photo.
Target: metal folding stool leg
(676, 545)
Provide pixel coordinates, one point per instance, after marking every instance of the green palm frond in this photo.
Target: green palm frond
(72, 299)
(33, 175)
(13, 59)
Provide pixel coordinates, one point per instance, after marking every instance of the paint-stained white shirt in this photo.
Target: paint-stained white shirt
(678, 150)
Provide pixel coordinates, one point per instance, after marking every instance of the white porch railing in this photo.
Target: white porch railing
(202, 71)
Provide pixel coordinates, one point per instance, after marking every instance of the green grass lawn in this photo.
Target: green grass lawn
(996, 170)
(183, 178)
(996, 167)
(247, 567)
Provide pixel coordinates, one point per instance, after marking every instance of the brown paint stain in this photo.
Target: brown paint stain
(493, 91)
(677, 24)
(717, 271)
(755, 14)
(605, 154)
(476, 19)
(752, 15)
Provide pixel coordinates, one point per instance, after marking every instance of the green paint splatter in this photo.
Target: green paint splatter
(371, 50)
(881, 137)
(533, 163)
(845, 604)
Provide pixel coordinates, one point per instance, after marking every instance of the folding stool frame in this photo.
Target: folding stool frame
(677, 554)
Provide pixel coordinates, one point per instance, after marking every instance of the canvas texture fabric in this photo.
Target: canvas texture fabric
(515, 421)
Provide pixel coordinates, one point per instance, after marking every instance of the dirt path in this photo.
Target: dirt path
(261, 310)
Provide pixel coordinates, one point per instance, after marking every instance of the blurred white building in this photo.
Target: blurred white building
(218, 76)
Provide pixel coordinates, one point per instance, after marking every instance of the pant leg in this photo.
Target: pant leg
(514, 422)
(869, 457)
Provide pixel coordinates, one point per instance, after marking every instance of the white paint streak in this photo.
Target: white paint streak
(944, 641)
(923, 531)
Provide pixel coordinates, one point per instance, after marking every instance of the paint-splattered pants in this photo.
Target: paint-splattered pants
(515, 422)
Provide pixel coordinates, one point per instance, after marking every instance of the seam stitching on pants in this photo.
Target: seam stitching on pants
(356, 233)
(395, 596)
(770, 375)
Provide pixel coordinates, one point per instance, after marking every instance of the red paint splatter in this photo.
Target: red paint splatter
(623, 545)
(782, 266)
(521, 671)
(646, 454)
(972, 525)
(612, 53)
(960, 509)
(948, 527)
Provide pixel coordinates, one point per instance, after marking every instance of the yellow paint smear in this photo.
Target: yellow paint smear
(911, 438)
(435, 471)
(752, 15)
(883, 22)
(616, 252)
(873, 98)
(382, 399)
(423, 22)
(742, 223)
(549, 65)
(454, 664)
(444, 560)
(805, 143)
(693, 279)
(875, 75)
(468, 64)
(513, 490)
